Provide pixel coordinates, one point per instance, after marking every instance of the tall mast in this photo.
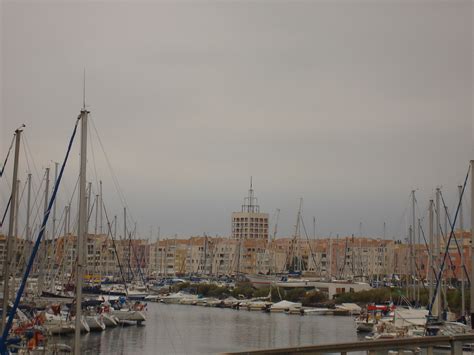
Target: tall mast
(88, 203)
(14, 241)
(437, 252)
(96, 213)
(64, 232)
(16, 207)
(81, 234)
(329, 256)
(336, 256)
(412, 246)
(412, 278)
(46, 197)
(419, 280)
(461, 230)
(54, 204)
(100, 206)
(297, 236)
(7, 259)
(43, 262)
(125, 223)
(431, 252)
(115, 227)
(28, 208)
(472, 245)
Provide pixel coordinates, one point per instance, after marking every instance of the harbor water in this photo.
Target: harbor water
(181, 329)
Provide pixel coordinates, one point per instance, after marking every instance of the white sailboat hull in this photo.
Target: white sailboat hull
(95, 323)
(126, 315)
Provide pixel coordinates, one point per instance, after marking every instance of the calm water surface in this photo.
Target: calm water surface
(182, 329)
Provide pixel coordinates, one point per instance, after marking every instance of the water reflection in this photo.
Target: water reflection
(178, 329)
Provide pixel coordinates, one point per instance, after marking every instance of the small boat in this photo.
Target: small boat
(347, 309)
(152, 298)
(176, 298)
(57, 324)
(258, 305)
(284, 306)
(317, 311)
(109, 320)
(134, 315)
(84, 326)
(365, 326)
(95, 323)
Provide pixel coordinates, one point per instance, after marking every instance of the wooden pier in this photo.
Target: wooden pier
(375, 346)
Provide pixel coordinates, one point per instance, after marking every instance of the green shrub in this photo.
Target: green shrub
(313, 298)
(243, 288)
(295, 295)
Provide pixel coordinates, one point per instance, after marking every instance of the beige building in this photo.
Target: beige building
(250, 223)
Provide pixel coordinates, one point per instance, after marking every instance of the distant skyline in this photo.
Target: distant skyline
(347, 104)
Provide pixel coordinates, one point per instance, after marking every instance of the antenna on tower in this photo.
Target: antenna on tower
(250, 202)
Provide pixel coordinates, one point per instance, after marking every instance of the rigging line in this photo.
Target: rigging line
(309, 244)
(8, 154)
(38, 192)
(444, 235)
(27, 145)
(449, 240)
(115, 248)
(455, 239)
(428, 250)
(403, 216)
(41, 199)
(114, 177)
(20, 200)
(93, 160)
(11, 315)
(6, 211)
(138, 263)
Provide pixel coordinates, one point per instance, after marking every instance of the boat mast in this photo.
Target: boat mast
(81, 234)
(413, 239)
(94, 268)
(7, 259)
(115, 227)
(89, 208)
(431, 252)
(96, 202)
(297, 237)
(125, 223)
(18, 183)
(45, 238)
(54, 204)
(419, 275)
(28, 207)
(472, 245)
(68, 219)
(14, 242)
(411, 278)
(461, 230)
(100, 206)
(329, 256)
(437, 252)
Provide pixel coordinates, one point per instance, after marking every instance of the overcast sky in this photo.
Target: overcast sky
(347, 104)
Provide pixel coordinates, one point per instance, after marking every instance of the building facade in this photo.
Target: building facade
(250, 223)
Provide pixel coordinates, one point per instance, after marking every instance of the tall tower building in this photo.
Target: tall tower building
(250, 223)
